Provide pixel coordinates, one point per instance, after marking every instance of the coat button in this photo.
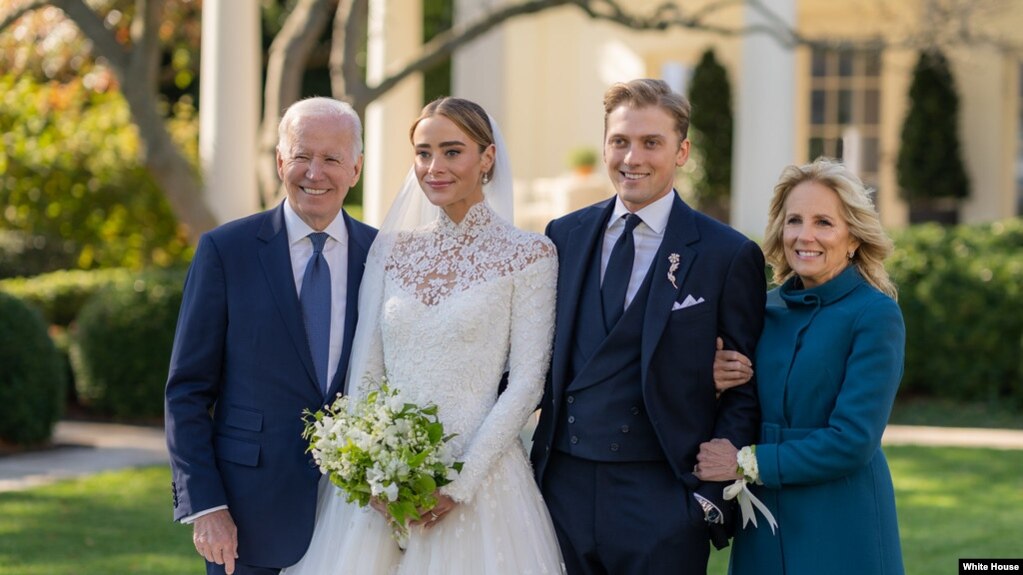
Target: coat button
(570, 399)
(635, 411)
(571, 419)
(625, 429)
(614, 447)
(574, 440)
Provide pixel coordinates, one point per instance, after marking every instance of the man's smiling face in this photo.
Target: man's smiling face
(642, 151)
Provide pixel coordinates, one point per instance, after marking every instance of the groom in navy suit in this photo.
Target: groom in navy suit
(265, 332)
(645, 286)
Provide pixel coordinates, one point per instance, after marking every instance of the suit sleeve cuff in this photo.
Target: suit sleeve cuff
(188, 520)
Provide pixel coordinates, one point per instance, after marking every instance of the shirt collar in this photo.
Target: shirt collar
(655, 215)
(298, 229)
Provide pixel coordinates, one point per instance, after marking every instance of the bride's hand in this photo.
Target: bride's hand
(430, 517)
(380, 506)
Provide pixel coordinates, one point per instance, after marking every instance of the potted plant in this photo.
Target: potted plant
(582, 160)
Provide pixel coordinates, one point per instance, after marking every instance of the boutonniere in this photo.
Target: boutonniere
(673, 260)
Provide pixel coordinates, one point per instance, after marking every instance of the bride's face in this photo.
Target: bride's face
(449, 165)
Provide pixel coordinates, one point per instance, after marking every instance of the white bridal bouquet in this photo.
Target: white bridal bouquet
(385, 448)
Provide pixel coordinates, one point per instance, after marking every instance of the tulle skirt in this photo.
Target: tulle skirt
(504, 530)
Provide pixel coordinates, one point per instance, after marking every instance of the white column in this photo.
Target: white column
(765, 130)
(395, 34)
(229, 95)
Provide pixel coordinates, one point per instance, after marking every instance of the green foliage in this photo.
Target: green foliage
(710, 95)
(60, 295)
(930, 163)
(122, 346)
(961, 292)
(32, 378)
(70, 177)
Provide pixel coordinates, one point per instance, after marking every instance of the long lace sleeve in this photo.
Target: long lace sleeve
(532, 329)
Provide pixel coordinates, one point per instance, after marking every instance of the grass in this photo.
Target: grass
(952, 503)
(949, 413)
(111, 523)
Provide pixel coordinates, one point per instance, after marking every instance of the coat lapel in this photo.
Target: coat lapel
(573, 272)
(275, 256)
(679, 234)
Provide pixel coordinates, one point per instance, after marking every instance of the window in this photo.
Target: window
(845, 109)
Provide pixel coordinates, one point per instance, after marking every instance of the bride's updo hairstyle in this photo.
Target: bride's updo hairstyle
(469, 116)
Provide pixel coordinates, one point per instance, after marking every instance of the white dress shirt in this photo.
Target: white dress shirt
(647, 235)
(335, 251)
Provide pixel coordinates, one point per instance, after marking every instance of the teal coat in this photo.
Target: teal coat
(828, 364)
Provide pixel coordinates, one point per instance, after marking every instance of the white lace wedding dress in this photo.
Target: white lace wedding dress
(461, 304)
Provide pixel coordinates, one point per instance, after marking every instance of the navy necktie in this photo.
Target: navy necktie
(618, 272)
(315, 301)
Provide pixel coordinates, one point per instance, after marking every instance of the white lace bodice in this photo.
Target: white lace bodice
(461, 304)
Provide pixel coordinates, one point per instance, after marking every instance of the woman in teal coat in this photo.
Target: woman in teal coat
(829, 362)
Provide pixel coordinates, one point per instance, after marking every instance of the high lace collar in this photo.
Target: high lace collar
(477, 217)
(830, 291)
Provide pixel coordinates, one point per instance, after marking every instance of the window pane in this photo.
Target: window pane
(845, 98)
(869, 155)
(845, 63)
(872, 107)
(872, 63)
(816, 148)
(817, 106)
(819, 66)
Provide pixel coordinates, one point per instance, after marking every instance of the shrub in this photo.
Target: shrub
(60, 295)
(710, 94)
(961, 292)
(122, 345)
(31, 377)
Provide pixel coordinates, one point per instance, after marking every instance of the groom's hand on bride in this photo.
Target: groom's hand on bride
(216, 538)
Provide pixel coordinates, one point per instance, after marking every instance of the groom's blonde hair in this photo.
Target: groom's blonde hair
(647, 92)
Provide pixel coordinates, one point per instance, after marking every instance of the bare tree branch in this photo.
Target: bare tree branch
(346, 75)
(103, 41)
(286, 62)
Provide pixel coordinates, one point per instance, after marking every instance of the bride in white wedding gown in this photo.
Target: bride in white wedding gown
(452, 297)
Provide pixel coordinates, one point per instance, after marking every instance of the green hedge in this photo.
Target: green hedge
(32, 376)
(60, 295)
(122, 344)
(961, 292)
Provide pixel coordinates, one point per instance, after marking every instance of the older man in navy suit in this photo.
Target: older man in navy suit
(645, 286)
(265, 332)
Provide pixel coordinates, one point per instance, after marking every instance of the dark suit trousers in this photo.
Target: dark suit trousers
(631, 518)
(240, 569)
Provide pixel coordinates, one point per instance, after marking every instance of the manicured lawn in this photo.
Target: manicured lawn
(113, 523)
(953, 502)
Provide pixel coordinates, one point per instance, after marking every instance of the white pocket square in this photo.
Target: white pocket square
(690, 301)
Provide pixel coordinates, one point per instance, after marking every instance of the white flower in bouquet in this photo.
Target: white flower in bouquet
(384, 448)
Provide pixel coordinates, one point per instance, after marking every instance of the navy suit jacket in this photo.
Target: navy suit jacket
(716, 263)
(241, 374)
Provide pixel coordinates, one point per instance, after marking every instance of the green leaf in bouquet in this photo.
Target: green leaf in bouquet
(435, 432)
(417, 459)
(425, 484)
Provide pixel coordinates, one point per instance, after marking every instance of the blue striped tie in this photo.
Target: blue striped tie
(315, 301)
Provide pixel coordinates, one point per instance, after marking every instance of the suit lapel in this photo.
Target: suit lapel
(679, 234)
(588, 234)
(275, 257)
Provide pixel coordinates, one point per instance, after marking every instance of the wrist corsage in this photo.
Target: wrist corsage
(749, 472)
